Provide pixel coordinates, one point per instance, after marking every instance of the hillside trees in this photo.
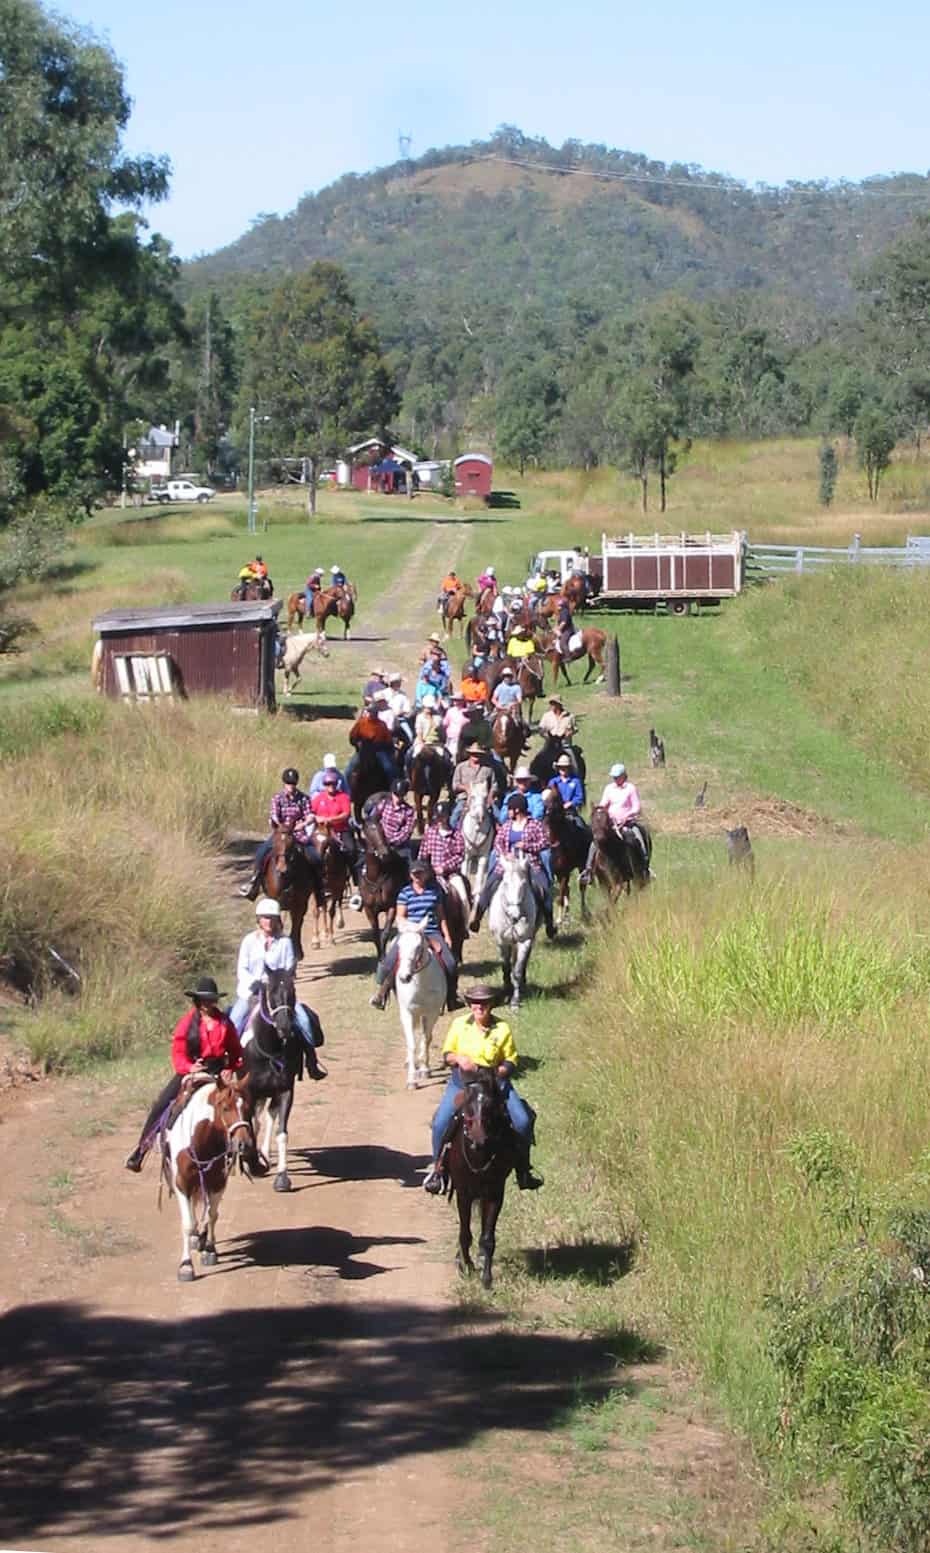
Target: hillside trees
(85, 303)
(316, 370)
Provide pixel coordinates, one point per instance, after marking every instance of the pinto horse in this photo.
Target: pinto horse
(272, 1050)
(570, 845)
(334, 877)
(430, 772)
(481, 1156)
(382, 876)
(290, 878)
(206, 1140)
(618, 864)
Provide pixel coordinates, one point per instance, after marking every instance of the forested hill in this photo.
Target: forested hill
(464, 227)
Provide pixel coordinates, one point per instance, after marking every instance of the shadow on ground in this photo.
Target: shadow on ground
(309, 711)
(591, 1261)
(112, 1425)
(368, 1162)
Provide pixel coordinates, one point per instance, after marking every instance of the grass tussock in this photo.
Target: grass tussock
(735, 1109)
(114, 818)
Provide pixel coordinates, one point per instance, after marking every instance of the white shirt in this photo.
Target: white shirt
(256, 952)
(621, 802)
(400, 704)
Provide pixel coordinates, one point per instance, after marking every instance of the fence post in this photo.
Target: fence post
(799, 559)
(613, 667)
(854, 547)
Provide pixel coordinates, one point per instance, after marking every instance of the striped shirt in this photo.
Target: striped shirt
(422, 905)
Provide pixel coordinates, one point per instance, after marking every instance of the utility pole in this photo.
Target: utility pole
(252, 470)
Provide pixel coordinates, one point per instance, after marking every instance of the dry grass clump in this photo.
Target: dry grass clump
(114, 816)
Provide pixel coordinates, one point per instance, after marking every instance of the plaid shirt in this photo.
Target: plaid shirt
(290, 810)
(397, 822)
(445, 849)
(533, 840)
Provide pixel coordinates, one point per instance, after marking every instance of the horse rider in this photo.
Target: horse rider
(473, 686)
(398, 819)
(519, 835)
(479, 1039)
(381, 706)
(318, 778)
(247, 575)
(204, 1040)
(565, 624)
(621, 800)
(508, 697)
(434, 644)
(337, 577)
(427, 728)
(524, 783)
(376, 681)
(441, 846)
(454, 721)
(369, 729)
(521, 643)
(474, 768)
(421, 901)
(433, 678)
(450, 584)
(290, 807)
(267, 948)
(487, 579)
(313, 586)
(333, 805)
(400, 706)
(556, 723)
(567, 783)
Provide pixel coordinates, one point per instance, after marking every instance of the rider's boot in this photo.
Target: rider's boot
(137, 1158)
(250, 891)
(434, 1180)
(313, 1066)
(526, 1180)
(453, 1001)
(379, 999)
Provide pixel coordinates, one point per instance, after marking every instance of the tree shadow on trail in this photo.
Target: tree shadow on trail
(113, 1425)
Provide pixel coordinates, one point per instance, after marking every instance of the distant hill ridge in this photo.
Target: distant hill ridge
(515, 215)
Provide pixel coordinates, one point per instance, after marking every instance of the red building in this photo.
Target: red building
(473, 475)
(183, 650)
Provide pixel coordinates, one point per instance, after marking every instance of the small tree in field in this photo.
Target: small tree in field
(828, 471)
(875, 441)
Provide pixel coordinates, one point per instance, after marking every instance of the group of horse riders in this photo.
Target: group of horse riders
(254, 575)
(504, 608)
(314, 584)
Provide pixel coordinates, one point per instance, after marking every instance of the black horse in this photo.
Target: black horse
(273, 1060)
(481, 1156)
(365, 775)
(571, 842)
(543, 763)
(430, 772)
(382, 875)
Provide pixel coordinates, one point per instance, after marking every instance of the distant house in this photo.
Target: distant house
(356, 468)
(473, 475)
(152, 457)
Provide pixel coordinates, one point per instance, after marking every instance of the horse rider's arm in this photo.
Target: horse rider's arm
(232, 1046)
(443, 923)
(179, 1058)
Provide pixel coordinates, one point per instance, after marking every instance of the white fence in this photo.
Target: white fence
(773, 560)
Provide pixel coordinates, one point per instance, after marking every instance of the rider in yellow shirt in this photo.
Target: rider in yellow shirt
(479, 1039)
(521, 644)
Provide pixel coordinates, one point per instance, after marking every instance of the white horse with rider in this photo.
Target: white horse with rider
(478, 836)
(420, 987)
(513, 918)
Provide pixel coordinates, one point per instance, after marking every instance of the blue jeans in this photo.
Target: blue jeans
(517, 1109)
(239, 1014)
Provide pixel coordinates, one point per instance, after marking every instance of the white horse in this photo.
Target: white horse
(513, 919)
(295, 651)
(420, 987)
(478, 835)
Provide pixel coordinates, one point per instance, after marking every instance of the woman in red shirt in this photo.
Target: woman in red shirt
(204, 1041)
(334, 807)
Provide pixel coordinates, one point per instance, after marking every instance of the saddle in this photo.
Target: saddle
(190, 1084)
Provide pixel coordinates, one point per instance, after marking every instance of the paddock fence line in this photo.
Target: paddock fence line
(776, 560)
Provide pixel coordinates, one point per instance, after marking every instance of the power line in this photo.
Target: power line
(855, 191)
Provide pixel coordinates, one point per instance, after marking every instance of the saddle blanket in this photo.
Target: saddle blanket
(574, 642)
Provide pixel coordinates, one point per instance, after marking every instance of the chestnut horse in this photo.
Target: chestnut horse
(201, 1147)
(481, 1156)
(592, 644)
(508, 737)
(290, 879)
(452, 608)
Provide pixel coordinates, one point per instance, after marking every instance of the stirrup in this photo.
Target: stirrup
(434, 1181)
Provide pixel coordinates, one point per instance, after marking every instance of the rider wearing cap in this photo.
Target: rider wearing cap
(421, 901)
(329, 764)
(479, 1039)
(267, 948)
(289, 807)
(621, 800)
(519, 835)
(204, 1040)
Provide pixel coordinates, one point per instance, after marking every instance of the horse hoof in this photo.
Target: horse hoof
(201, 1239)
(282, 1182)
(209, 1258)
(422, 1073)
(186, 1272)
(412, 1083)
(316, 943)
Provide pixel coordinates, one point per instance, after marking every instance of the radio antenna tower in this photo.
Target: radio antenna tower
(404, 143)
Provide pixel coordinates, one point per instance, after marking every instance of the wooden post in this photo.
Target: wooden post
(613, 666)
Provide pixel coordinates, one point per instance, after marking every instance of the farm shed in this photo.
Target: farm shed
(188, 650)
(356, 469)
(473, 474)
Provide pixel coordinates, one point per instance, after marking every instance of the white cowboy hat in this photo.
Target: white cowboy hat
(382, 697)
(395, 679)
(523, 774)
(335, 568)
(318, 572)
(618, 769)
(330, 763)
(265, 907)
(428, 701)
(507, 670)
(435, 637)
(564, 760)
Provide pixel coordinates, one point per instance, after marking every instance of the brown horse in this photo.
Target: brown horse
(481, 1156)
(345, 607)
(326, 607)
(485, 601)
(508, 737)
(592, 645)
(382, 876)
(617, 865)
(430, 772)
(206, 1140)
(251, 592)
(452, 608)
(530, 673)
(334, 875)
(296, 609)
(575, 590)
(290, 879)
(570, 846)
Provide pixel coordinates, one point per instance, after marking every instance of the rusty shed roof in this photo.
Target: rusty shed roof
(180, 615)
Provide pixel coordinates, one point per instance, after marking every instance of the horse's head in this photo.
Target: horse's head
(412, 950)
(482, 1107)
(232, 1113)
(373, 837)
(479, 797)
(276, 1000)
(600, 825)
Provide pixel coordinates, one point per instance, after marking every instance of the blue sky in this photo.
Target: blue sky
(256, 105)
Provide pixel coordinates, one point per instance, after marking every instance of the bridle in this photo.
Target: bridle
(420, 962)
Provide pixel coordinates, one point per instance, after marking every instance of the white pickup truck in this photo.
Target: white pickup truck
(181, 490)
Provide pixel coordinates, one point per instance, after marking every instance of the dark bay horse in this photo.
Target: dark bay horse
(570, 846)
(543, 763)
(618, 864)
(334, 876)
(481, 1156)
(365, 775)
(273, 1060)
(251, 592)
(430, 772)
(290, 879)
(530, 677)
(508, 737)
(382, 876)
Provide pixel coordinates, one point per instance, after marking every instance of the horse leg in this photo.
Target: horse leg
(208, 1256)
(269, 1120)
(315, 941)
(463, 1259)
(520, 963)
(564, 890)
(490, 1210)
(506, 967)
(282, 1181)
(186, 1267)
(582, 891)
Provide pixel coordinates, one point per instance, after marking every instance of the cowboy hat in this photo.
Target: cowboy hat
(523, 774)
(480, 994)
(206, 991)
(506, 670)
(475, 749)
(564, 760)
(557, 701)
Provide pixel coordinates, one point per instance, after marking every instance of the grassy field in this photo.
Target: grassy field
(730, 1080)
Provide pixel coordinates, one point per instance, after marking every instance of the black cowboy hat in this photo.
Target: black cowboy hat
(206, 991)
(480, 994)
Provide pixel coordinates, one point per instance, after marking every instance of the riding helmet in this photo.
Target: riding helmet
(266, 907)
(401, 787)
(442, 810)
(290, 775)
(420, 869)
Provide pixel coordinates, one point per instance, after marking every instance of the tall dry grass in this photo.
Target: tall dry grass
(115, 819)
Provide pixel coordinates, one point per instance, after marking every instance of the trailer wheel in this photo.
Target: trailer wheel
(680, 606)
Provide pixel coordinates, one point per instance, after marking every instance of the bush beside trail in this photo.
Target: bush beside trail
(114, 817)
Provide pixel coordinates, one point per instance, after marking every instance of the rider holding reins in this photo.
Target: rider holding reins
(621, 800)
(421, 901)
(266, 948)
(289, 807)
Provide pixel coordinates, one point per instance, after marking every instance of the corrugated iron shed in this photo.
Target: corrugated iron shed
(215, 649)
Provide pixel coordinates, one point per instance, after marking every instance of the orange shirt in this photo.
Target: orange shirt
(474, 690)
(450, 584)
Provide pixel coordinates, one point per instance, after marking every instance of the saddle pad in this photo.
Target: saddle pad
(574, 642)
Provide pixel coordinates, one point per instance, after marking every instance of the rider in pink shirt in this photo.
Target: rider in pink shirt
(620, 798)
